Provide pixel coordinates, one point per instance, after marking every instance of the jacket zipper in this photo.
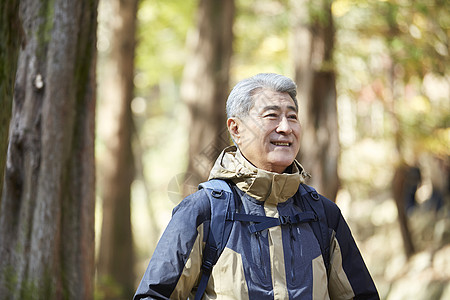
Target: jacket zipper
(292, 240)
(258, 238)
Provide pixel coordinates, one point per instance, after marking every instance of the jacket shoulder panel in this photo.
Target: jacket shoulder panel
(175, 247)
(332, 212)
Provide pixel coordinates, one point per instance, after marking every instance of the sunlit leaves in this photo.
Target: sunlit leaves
(261, 42)
(395, 44)
(163, 26)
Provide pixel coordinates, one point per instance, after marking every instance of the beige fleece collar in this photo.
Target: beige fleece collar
(260, 184)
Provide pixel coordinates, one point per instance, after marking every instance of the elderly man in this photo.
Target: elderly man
(283, 260)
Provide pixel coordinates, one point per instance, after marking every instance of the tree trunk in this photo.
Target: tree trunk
(116, 258)
(404, 186)
(314, 74)
(205, 86)
(47, 209)
(399, 181)
(11, 34)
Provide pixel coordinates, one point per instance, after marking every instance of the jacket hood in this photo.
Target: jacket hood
(260, 184)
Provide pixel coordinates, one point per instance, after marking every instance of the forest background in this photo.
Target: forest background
(144, 83)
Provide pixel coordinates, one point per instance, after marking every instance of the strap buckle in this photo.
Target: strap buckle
(217, 193)
(284, 220)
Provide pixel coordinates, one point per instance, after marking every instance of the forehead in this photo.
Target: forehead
(269, 99)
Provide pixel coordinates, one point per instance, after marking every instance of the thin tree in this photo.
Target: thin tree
(47, 208)
(401, 184)
(205, 85)
(313, 44)
(116, 258)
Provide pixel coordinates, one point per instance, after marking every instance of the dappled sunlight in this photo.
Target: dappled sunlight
(392, 109)
(373, 90)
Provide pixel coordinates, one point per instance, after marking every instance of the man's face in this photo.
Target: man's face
(269, 135)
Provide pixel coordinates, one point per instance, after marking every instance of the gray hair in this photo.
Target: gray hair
(240, 100)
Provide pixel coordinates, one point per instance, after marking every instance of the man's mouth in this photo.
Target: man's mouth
(284, 144)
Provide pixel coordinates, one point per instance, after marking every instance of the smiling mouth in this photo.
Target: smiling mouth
(284, 144)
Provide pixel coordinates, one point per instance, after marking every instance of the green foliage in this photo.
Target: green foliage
(108, 288)
(10, 279)
(262, 33)
(27, 289)
(425, 127)
(318, 11)
(162, 30)
(385, 51)
(416, 32)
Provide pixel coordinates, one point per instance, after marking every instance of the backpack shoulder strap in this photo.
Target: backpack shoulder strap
(311, 198)
(222, 202)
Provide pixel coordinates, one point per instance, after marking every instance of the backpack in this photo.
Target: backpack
(223, 215)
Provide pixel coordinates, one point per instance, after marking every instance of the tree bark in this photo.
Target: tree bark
(205, 86)
(11, 34)
(313, 43)
(116, 258)
(47, 209)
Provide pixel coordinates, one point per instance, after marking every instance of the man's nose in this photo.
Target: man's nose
(284, 126)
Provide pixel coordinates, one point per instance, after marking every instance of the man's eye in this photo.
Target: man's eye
(294, 117)
(271, 115)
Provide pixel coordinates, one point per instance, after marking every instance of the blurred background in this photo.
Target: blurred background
(374, 93)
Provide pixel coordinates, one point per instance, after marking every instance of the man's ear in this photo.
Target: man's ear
(233, 125)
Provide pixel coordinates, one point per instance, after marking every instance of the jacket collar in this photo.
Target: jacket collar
(260, 184)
